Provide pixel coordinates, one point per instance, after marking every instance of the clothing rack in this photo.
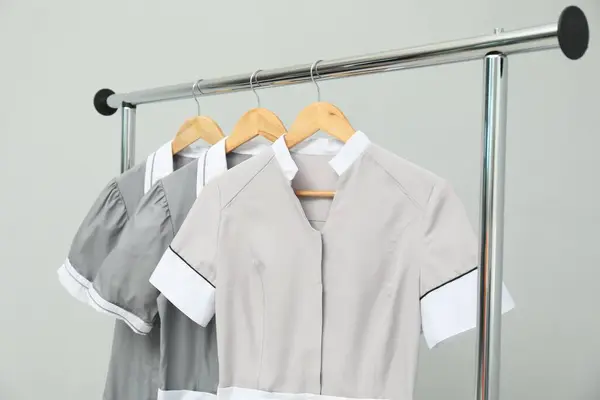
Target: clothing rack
(570, 34)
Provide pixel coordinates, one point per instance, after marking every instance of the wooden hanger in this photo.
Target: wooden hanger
(198, 127)
(319, 116)
(255, 122)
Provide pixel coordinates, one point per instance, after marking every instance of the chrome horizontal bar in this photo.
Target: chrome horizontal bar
(571, 28)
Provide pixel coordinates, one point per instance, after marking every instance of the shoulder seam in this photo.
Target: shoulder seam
(249, 181)
(164, 193)
(435, 185)
(121, 198)
(400, 185)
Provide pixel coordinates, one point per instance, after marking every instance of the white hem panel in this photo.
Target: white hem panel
(236, 393)
(137, 324)
(184, 395)
(452, 308)
(183, 286)
(73, 282)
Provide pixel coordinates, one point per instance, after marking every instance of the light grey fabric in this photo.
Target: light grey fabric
(334, 311)
(188, 352)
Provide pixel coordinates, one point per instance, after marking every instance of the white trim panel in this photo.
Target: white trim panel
(137, 324)
(347, 153)
(184, 287)
(236, 393)
(215, 160)
(73, 282)
(148, 172)
(284, 158)
(350, 152)
(184, 395)
(452, 309)
(158, 165)
(163, 162)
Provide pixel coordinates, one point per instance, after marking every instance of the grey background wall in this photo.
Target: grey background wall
(57, 153)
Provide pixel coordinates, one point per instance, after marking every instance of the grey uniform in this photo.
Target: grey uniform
(319, 299)
(188, 352)
(132, 372)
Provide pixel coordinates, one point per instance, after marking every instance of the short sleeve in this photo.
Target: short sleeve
(186, 274)
(122, 288)
(448, 268)
(96, 237)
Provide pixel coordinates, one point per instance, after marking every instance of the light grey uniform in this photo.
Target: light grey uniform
(319, 299)
(132, 372)
(188, 352)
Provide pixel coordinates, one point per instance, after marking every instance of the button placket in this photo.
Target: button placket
(321, 294)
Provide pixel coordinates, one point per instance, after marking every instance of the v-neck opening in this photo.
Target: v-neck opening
(344, 178)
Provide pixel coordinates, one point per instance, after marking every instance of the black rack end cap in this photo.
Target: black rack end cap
(573, 32)
(101, 102)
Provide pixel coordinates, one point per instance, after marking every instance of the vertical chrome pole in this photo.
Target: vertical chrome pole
(127, 136)
(491, 227)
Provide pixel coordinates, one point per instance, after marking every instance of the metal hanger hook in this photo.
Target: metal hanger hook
(314, 67)
(194, 87)
(252, 78)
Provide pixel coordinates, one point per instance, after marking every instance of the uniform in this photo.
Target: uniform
(188, 352)
(319, 299)
(132, 372)
(189, 367)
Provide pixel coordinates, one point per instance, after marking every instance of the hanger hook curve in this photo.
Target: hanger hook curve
(314, 67)
(252, 80)
(194, 87)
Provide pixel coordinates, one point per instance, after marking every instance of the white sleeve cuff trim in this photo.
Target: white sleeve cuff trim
(73, 282)
(452, 309)
(184, 287)
(137, 324)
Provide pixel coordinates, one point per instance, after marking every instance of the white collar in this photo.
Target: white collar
(160, 163)
(345, 153)
(211, 161)
(214, 162)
